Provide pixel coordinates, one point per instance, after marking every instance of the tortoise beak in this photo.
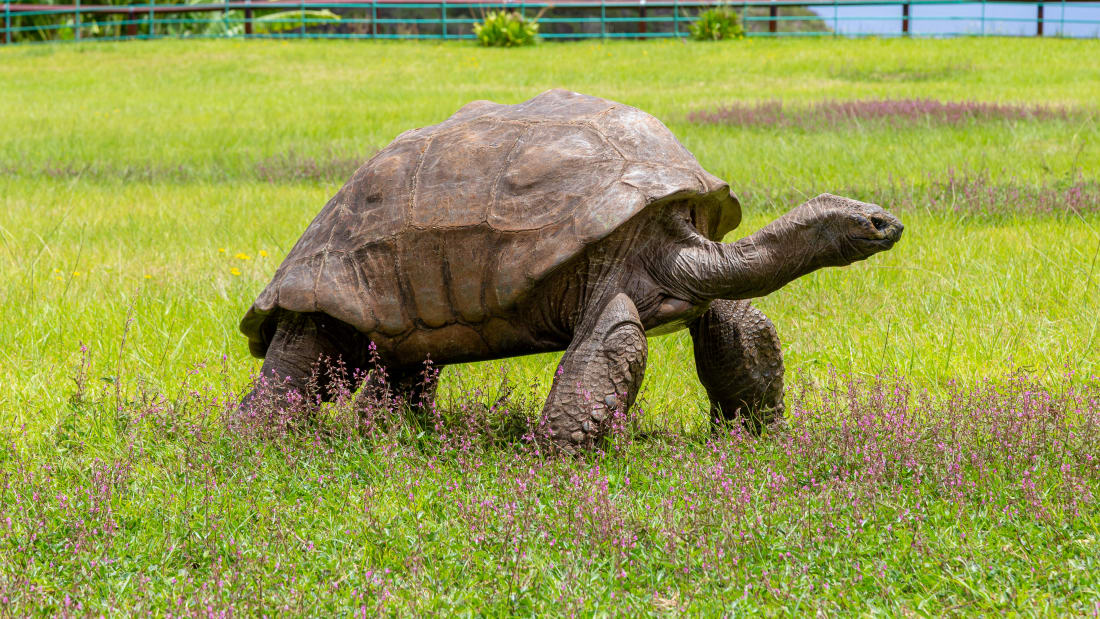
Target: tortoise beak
(887, 227)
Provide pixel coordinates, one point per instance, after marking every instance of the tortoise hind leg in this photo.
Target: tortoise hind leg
(309, 356)
(416, 388)
(600, 373)
(740, 363)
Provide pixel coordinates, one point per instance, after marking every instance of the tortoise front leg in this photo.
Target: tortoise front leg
(307, 357)
(600, 373)
(740, 363)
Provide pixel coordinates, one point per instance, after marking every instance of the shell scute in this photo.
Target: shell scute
(466, 261)
(335, 283)
(421, 264)
(296, 290)
(451, 190)
(380, 287)
(653, 179)
(553, 171)
(641, 137)
(544, 253)
(604, 212)
(376, 198)
(507, 278)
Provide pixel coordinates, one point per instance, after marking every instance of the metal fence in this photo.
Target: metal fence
(575, 19)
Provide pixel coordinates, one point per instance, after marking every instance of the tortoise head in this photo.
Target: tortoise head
(825, 231)
(839, 231)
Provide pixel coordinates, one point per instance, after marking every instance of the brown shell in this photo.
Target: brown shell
(455, 222)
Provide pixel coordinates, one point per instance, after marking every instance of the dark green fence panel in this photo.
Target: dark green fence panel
(383, 19)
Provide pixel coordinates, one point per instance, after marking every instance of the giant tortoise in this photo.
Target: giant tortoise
(567, 222)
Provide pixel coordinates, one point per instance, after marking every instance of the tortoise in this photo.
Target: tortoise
(566, 222)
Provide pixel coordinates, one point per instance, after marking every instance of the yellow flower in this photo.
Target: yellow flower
(234, 271)
(263, 254)
(243, 256)
(221, 250)
(56, 270)
(147, 276)
(76, 273)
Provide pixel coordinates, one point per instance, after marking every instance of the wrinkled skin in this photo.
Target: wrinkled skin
(655, 274)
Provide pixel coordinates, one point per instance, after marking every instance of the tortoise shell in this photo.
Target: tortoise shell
(455, 222)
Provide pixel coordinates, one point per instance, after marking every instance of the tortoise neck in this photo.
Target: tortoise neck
(752, 267)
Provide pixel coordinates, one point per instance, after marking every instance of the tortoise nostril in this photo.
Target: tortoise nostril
(880, 223)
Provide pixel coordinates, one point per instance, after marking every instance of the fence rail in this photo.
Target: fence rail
(440, 19)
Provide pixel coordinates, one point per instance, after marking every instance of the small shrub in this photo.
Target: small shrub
(506, 29)
(717, 24)
(285, 21)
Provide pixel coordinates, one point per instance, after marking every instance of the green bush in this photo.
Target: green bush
(506, 29)
(284, 21)
(717, 24)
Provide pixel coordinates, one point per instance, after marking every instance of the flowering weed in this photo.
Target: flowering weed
(873, 492)
(834, 113)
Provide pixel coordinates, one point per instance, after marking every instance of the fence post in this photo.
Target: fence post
(603, 19)
(77, 20)
(983, 18)
(7, 22)
(1039, 19)
(643, 26)
(152, 19)
(773, 12)
(373, 20)
(443, 17)
(248, 19)
(301, 19)
(905, 19)
(676, 18)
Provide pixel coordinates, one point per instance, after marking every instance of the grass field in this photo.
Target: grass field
(944, 404)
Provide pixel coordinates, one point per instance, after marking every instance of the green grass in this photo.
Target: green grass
(215, 108)
(126, 169)
(956, 298)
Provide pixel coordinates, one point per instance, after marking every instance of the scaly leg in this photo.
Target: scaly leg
(600, 373)
(740, 363)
